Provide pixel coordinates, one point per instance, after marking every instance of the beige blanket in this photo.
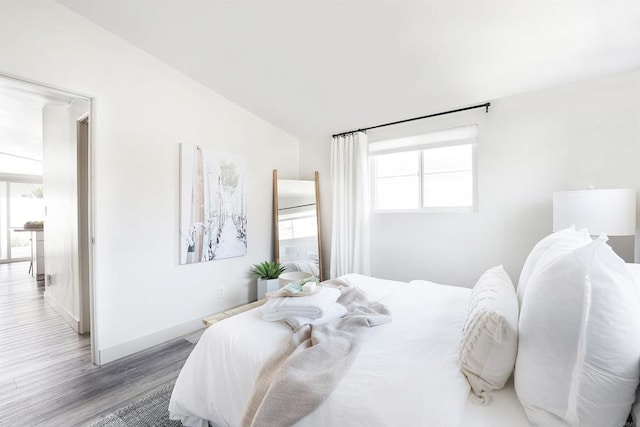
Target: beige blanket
(294, 382)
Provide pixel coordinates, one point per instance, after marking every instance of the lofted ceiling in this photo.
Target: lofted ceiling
(317, 67)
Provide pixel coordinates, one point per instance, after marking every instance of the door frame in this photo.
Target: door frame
(90, 200)
(84, 231)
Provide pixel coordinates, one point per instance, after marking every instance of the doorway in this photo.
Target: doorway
(45, 139)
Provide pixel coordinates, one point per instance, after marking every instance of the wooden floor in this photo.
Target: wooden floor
(46, 374)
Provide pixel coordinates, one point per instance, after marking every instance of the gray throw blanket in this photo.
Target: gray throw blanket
(295, 381)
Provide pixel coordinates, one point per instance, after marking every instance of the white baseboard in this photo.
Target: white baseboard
(109, 354)
(62, 311)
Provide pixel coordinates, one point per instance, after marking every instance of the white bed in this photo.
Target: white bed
(406, 373)
(304, 265)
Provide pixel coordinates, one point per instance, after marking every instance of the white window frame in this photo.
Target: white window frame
(426, 141)
(6, 180)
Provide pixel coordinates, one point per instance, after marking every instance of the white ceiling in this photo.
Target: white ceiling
(21, 125)
(317, 67)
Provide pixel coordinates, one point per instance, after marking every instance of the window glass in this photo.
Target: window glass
(25, 205)
(437, 173)
(398, 164)
(452, 189)
(398, 193)
(397, 180)
(448, 159)
(448, 179)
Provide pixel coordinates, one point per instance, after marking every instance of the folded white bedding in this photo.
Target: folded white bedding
(334, 311)
(310, 307)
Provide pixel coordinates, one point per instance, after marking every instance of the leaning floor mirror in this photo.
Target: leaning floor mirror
(296, 213)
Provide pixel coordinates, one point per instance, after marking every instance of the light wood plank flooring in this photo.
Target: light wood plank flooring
(46, 374)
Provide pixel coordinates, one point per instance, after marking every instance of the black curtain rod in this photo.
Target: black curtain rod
(486, 105)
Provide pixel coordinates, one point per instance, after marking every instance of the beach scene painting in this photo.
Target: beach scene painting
(213, 205)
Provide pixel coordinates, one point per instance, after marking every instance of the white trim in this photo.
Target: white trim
(45, 86)
(438, 138)
(421, 147)
(95, 354)
(474, 176)
(127, 348)
(68, 317)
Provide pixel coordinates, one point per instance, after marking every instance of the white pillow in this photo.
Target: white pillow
(568, 237)
(578, 347)
(490, 335)
(635, 411)
(634, 269)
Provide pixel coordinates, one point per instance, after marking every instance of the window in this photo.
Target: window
(297, 227)
(19, 202)
(432, 171)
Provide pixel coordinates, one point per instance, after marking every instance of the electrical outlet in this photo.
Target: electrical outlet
(220, 292)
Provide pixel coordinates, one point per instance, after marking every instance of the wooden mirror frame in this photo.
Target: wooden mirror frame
(276, 238)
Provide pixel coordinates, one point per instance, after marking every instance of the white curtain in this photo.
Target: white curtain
(350, 247)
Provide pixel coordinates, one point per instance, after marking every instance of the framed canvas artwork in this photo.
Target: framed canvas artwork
(213, 205)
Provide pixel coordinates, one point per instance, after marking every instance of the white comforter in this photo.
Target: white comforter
(406, 373)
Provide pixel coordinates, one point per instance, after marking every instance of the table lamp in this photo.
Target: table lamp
(610, 212)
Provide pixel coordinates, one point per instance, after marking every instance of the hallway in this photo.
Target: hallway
(46, 375)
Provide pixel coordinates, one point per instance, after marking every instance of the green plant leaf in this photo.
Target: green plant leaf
(268, 270)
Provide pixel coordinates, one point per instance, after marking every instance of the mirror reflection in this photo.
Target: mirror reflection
(297, 227)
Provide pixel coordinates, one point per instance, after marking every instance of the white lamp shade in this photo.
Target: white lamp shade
(612, 212)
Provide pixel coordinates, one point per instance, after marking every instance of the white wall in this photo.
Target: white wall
(142, 110)
(62, 286)
(529, 146)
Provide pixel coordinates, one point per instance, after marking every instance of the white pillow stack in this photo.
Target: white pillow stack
(564, 240)
(490, 335)
(578, 348)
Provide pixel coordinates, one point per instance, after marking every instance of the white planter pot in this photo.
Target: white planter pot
(266, 286)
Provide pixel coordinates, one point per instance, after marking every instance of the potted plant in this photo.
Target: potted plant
(267, 273)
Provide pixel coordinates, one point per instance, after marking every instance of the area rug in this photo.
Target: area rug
(151, 411)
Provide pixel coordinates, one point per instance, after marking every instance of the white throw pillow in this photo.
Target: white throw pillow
(578, 348)
(569, 238)
(490, 335)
